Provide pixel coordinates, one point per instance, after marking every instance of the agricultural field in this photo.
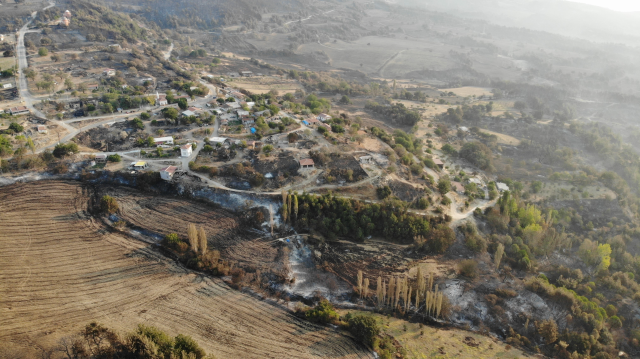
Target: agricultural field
(62, 268)
(260, 85)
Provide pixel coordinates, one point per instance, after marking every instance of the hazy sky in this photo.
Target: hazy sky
(618, 5)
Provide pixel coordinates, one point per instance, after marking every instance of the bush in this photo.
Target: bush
(322, 313)
(184, 343)
(383, 192)
(364, 329)
(444, 185)
(114, 158)
(468, 268)
(62, 150)
(16, 127)
(108, 204)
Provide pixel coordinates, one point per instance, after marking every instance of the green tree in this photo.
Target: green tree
(16, 127)
(43, 51)
(323, 313)
(596, 256)
(114, 158)
(345, 100)
(444, 185)
(171, 113)
(364, 328)
(68, 84)
(182, 103)
(547, 330)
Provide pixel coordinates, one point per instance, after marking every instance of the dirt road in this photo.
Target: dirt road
(61, 269)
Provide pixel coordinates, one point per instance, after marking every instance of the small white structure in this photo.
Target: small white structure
(366, 159)
(168, 172)
(67, 14)
(188, 113)
(109, 72)
(323, 117)
(502, 186)
(140, 165)
(163, 140)
(219, 140)
(161, 100)
(246, 73)
(186, 150)
(306, 163)
(42, 129)
(101, 158)
(7, 86)
(477, 181)
(242, 113)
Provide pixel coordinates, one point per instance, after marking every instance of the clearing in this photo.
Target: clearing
(469, 91)
(431, 342)
(62, 268)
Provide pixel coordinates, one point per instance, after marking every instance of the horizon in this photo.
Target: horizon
(615, 5)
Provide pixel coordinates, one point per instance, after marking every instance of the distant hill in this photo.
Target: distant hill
(556, 16)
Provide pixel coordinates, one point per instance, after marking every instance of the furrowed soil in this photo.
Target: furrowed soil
(62, 268)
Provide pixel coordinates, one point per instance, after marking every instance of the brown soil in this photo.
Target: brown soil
(62, 269)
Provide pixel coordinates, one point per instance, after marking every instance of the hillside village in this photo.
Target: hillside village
(340, 186)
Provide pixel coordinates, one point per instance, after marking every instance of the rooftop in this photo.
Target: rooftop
(186, 147)
(170, 169)
(306, 162)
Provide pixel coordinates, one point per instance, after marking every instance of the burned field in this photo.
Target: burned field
(344, 168)
(405, 191)
(62, 268)
(270, 173)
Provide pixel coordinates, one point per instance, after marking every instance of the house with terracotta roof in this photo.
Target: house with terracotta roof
(306, 163)
(168, 172)
(186, 150)
(19, 110)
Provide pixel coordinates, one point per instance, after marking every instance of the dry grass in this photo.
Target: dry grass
(430, 342)
(504, 139)
(469, 91)
(7, 62)
(260, 85)
(61, 269)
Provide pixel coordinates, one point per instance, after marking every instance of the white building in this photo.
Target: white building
(168, 172)
(163, 140)
(186, 150)
(7, 86)
(42, 129)
(161, 100)
(188, 113)
(20, 110)
(109, 72)
(323, 117)
(219, 140)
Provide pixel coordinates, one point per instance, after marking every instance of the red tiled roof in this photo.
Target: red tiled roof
(170, 169)
(306, 162)
(187, 146)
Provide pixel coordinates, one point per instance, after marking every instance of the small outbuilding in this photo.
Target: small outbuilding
(323, 117)
(219, 140)
(438, 163)
(163, 140)
(168, 172)
(306, 163)
(101, 158)
(42, 129)
(458, 187)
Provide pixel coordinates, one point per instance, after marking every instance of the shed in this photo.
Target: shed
(163, 140)
(457, 186)
(306, 163)
(42, 129)
(168, 172)
(438, 163)
(323, 117)
(101, 158)
(219, 140)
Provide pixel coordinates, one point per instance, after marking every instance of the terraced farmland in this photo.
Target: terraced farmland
(60, 268)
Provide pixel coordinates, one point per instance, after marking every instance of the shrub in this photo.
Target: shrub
(444, 185)
(108, 204)
(322, 313)
(62, 150)
(364, 329)
(383, 192)
(114, 158)
(184, 343)
(16, 127)
(468, 268)
(615, 322)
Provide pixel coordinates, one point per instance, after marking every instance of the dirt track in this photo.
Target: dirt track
(62, 269)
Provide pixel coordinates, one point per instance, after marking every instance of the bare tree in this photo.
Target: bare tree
(192, 233)
(202, 237)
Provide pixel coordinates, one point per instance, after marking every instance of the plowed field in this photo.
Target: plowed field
(60, 268)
